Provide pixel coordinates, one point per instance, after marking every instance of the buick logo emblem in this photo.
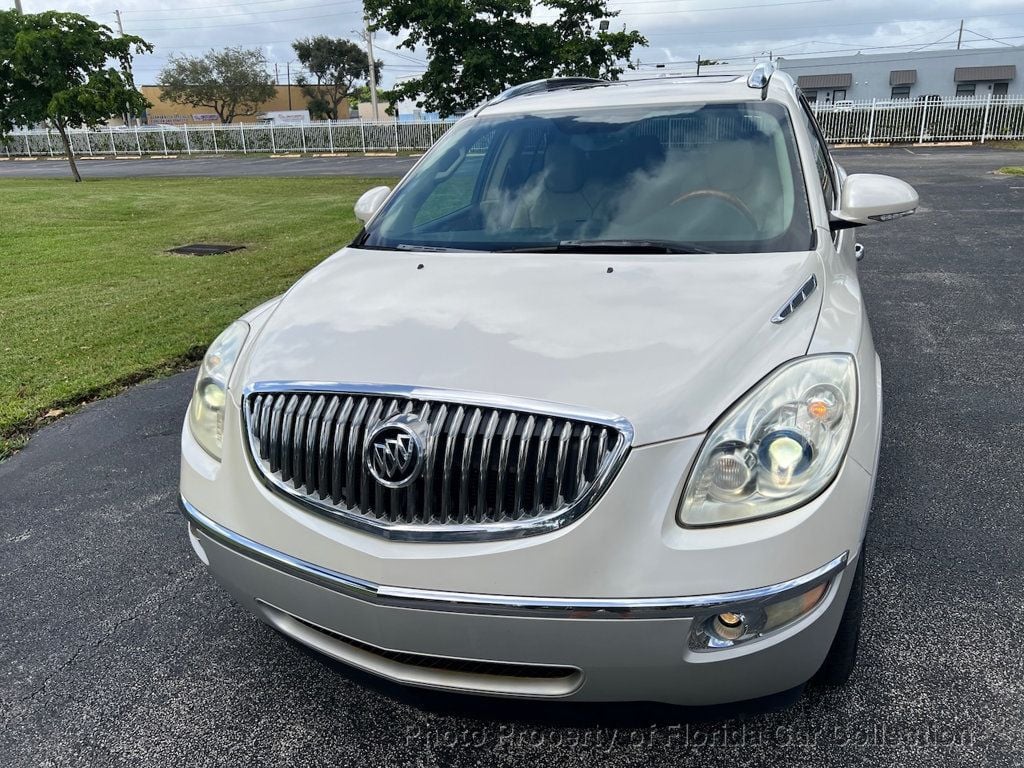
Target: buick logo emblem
(394, 451)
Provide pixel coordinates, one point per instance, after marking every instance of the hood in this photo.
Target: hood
(668, 342)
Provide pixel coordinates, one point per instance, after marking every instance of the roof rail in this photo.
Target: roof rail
(548, 84)
(760, 76)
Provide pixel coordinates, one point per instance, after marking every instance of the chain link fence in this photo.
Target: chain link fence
(866, 122)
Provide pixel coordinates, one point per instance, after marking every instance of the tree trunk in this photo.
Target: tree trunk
(61, 129)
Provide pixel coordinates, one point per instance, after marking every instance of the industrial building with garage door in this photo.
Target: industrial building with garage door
(927, 75)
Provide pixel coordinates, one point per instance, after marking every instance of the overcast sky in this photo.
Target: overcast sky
(677, 30)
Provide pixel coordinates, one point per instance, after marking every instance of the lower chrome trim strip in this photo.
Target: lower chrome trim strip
(514, 605)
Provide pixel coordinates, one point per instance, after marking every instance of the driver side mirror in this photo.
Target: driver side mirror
(370, 202)
(868, 198)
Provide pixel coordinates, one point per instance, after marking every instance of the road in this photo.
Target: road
(118, 649)
(226, 165)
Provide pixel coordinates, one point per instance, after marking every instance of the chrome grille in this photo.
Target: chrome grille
(488, 472)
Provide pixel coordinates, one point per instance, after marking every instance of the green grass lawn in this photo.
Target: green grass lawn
(1013, 170)
(90, 300)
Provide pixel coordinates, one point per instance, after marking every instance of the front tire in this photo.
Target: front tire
(842, 656)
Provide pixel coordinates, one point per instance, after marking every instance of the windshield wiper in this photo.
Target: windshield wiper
(427, 248)
(613, 246)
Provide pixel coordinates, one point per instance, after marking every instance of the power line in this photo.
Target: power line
(826, 25)
(239, 23)
(290, 9)
(178, 9)
(993, 39)
(636, 13)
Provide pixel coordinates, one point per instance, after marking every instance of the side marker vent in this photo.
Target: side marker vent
(796, 300)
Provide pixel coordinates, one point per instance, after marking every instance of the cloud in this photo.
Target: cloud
(678, 30)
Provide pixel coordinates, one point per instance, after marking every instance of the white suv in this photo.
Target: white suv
(588, 410)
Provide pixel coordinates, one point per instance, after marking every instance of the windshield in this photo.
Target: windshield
(698, 177)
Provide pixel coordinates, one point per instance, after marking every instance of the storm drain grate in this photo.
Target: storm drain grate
(205, 249)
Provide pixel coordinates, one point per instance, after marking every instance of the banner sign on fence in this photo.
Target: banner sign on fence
(168, 120)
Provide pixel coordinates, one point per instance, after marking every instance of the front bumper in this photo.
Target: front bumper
(583, 649)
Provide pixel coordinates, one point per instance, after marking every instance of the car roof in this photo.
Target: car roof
(653, 91)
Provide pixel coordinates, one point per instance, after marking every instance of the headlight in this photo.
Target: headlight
(778, 447)
(206, 412)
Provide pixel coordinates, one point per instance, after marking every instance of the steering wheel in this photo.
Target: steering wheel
(717, 194)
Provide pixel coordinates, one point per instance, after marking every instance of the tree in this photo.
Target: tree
(67, 71)
(233, 82)
(477, 48)
(335, 66)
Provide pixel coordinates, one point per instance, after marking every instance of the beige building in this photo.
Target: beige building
(166, 113)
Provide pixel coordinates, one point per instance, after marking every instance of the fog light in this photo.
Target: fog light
(729, 626)
(751, 620)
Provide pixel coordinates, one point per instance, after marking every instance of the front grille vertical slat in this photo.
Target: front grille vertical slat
(274, 436)
(299, 442)
(483, 465)
(467, 458)
(325, 465)
(311, 452)
(541, 464)
(449, 459)
(338, 490)
(288, 437)
(558, 495)
(480, 511)
(376, 416)
(264, 425)
(255, 414)
(405, 506)
(602, 446)
(581, 461)
(524, 449)
(503, 460)
(436, 425)
(355, 460)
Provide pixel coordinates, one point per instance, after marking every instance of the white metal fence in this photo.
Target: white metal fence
(241, 138)
(906, 121)
(901, 121)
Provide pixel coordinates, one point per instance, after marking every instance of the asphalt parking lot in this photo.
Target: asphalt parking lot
(118, 649)
(217, 165)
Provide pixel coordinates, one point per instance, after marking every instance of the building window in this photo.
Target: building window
(901, 92)
(811, 96)
(838, 95)
(1000, 89)
(964, 89)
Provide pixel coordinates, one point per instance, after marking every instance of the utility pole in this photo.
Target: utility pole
(17, 7)
(698, 65)
(373, 69)
(960, 37)
(288, 70)
(126, 115)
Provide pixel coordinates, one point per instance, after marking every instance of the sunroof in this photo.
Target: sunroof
(205, 249)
